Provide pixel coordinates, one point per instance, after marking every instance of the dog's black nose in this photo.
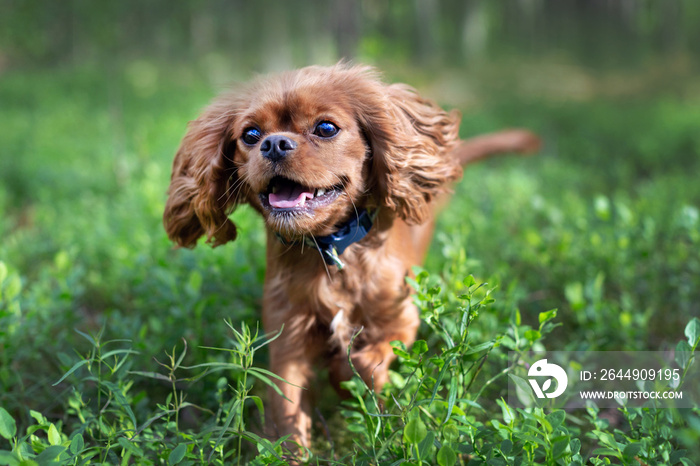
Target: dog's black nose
(276, 148)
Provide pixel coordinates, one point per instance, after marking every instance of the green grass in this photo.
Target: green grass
(603, 226)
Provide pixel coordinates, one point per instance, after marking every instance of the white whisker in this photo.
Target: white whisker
(328, 272)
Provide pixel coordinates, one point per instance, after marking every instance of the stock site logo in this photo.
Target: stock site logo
(543, 369)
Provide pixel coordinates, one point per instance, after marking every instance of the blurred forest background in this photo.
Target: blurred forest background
(272, 35)
(603, 225)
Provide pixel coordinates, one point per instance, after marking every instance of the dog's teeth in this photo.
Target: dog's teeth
(320, 192)
(274, 190)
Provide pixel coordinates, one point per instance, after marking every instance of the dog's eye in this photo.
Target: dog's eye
(251, 136)
(326, 129)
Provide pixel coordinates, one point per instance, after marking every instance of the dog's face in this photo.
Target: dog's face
(302, 157)
(307, 149)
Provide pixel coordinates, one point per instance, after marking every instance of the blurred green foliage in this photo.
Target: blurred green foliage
(597, 32)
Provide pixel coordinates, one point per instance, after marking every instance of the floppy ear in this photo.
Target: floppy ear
(410, 139)
(203, 186)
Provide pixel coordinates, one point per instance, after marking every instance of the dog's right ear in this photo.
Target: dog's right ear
(203, 187)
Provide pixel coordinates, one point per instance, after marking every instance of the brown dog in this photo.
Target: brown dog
(346, 172)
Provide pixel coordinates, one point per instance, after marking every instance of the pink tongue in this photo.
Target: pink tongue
(290, 196)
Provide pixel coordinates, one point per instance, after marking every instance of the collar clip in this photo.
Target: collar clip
(333, 245)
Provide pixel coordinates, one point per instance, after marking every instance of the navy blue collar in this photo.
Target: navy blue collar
(333, 245)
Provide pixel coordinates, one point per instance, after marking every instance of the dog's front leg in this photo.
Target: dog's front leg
(373, 357)
(291, 357)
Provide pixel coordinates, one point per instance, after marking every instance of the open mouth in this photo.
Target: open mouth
(283, 194)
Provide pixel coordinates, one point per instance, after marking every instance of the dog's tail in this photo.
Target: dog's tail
(507, 141)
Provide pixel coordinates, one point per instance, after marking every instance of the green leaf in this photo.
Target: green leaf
(77, 444)
(270, 383)
(50, 454)
(556, 418)
(119, 351)
(548, 315)
(177, 454)
(8, 427)
(438, 382)
(130, 446)
(506, 446)
(451, 398)
(153, 419)
(264, 444)
(522, 385)
(592, 409)
(533, 335)
(151, 375)
(479, 348)
(10, 459)
(575, 446)
(683, 353)
(438, 361)
(271, 375)
(419, 347)
(38, 417)
(677, 455)
(75, 367)
(389, 442)
(531, 438)
(559, 447)
(606, 438)
(53, 435)
(507, 411)
(233, 411)
(692, 332)
(451, 433)
(121, 400)
(469, 281)
(92, 341)
(258, 402)
(425, 444)
(604, 452)
(415, 431)
(632, 449)
(401, 353)
(446, 456)
(516, 319)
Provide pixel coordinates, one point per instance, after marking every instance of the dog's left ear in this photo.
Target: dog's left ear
(411, 139)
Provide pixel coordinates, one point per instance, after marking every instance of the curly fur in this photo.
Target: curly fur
(395, 151)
